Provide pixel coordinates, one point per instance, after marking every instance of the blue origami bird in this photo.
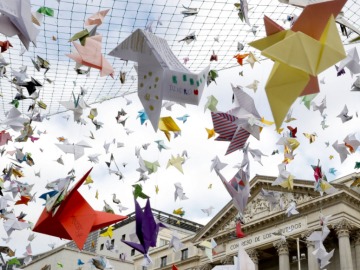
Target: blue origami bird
(183, 118)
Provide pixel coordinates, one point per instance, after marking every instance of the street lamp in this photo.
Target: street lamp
(297, 239)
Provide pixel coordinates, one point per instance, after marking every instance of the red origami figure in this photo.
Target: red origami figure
(74, 218)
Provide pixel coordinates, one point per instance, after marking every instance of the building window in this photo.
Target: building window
(133, 252)
(101, 246)
(163, 261)
(123, 237)
(112, 242)
(163, 242)
(184, 254)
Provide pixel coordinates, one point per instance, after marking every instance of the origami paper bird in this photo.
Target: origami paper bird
(243, 10)
(320, 44)
(251, 59)
(311, 137)
(293, 131)
(291, 210)
(210, 132)
(13, 223)
(90, 55)
(4, 137)
(211, 104)
(189, 11)
(74, 218)
(240, 57)
(212, 75)
(209, 246)
(167, 124)
(242, 261)
(143, 116)
(97, 18)
(321, 107)
(238, 231)
(352, 61)
(76, 149)
(238, 188)
(108, 233)
(208, 210)
(179, 192)
(161, 145)
(332, 171)
(179, 212)
(217, 164)
(5, 45)
(151, 167)
(189, 38)
(147, 230)
(341, 149)
(344, 115)
(161, 75)
(253, 85)
(285, 178)
(356, 84)
(272, 197)
(183, 118)
(138, 192)
(176, 162)
(320, 253)
(15, 19)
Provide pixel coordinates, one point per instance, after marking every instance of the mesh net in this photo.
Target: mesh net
(217, 27)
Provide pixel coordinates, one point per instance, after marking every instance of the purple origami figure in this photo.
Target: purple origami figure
(147, 229)
(339, 72)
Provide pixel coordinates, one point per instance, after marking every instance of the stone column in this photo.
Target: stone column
(283, 252)
(357, 249)
(312, 261)
(343, 232)
(254, 256)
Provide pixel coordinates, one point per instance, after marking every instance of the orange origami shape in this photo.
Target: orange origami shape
(74, 218)
(240, 57)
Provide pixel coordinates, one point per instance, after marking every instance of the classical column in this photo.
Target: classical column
(357, 249)
(343, 232)
(312, 261)
(283, 252)
(254, 256)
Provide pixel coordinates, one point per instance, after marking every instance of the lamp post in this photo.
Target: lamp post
(297, 239)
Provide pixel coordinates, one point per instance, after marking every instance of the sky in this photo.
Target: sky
(197, 175)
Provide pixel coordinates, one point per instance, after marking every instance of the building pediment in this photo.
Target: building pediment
(258, 209)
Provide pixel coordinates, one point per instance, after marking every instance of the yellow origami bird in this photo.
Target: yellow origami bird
(108, 232)
(288, 183)
(176, 162)
(210, 132)
(97, 194)
(167, 124)
(331, 157)
(210, 186)
(156, 189)
(88, 180)
(179, 212)
(356, 183)
(311, 137)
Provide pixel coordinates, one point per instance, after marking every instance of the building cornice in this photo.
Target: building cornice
(346, 195)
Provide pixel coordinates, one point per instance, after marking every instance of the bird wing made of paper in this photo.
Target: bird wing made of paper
(16, 20)
(75, 218)
(240, 195)
(225, 125)
(161, 75)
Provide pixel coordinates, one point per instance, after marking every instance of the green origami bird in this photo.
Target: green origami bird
(139, 193)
